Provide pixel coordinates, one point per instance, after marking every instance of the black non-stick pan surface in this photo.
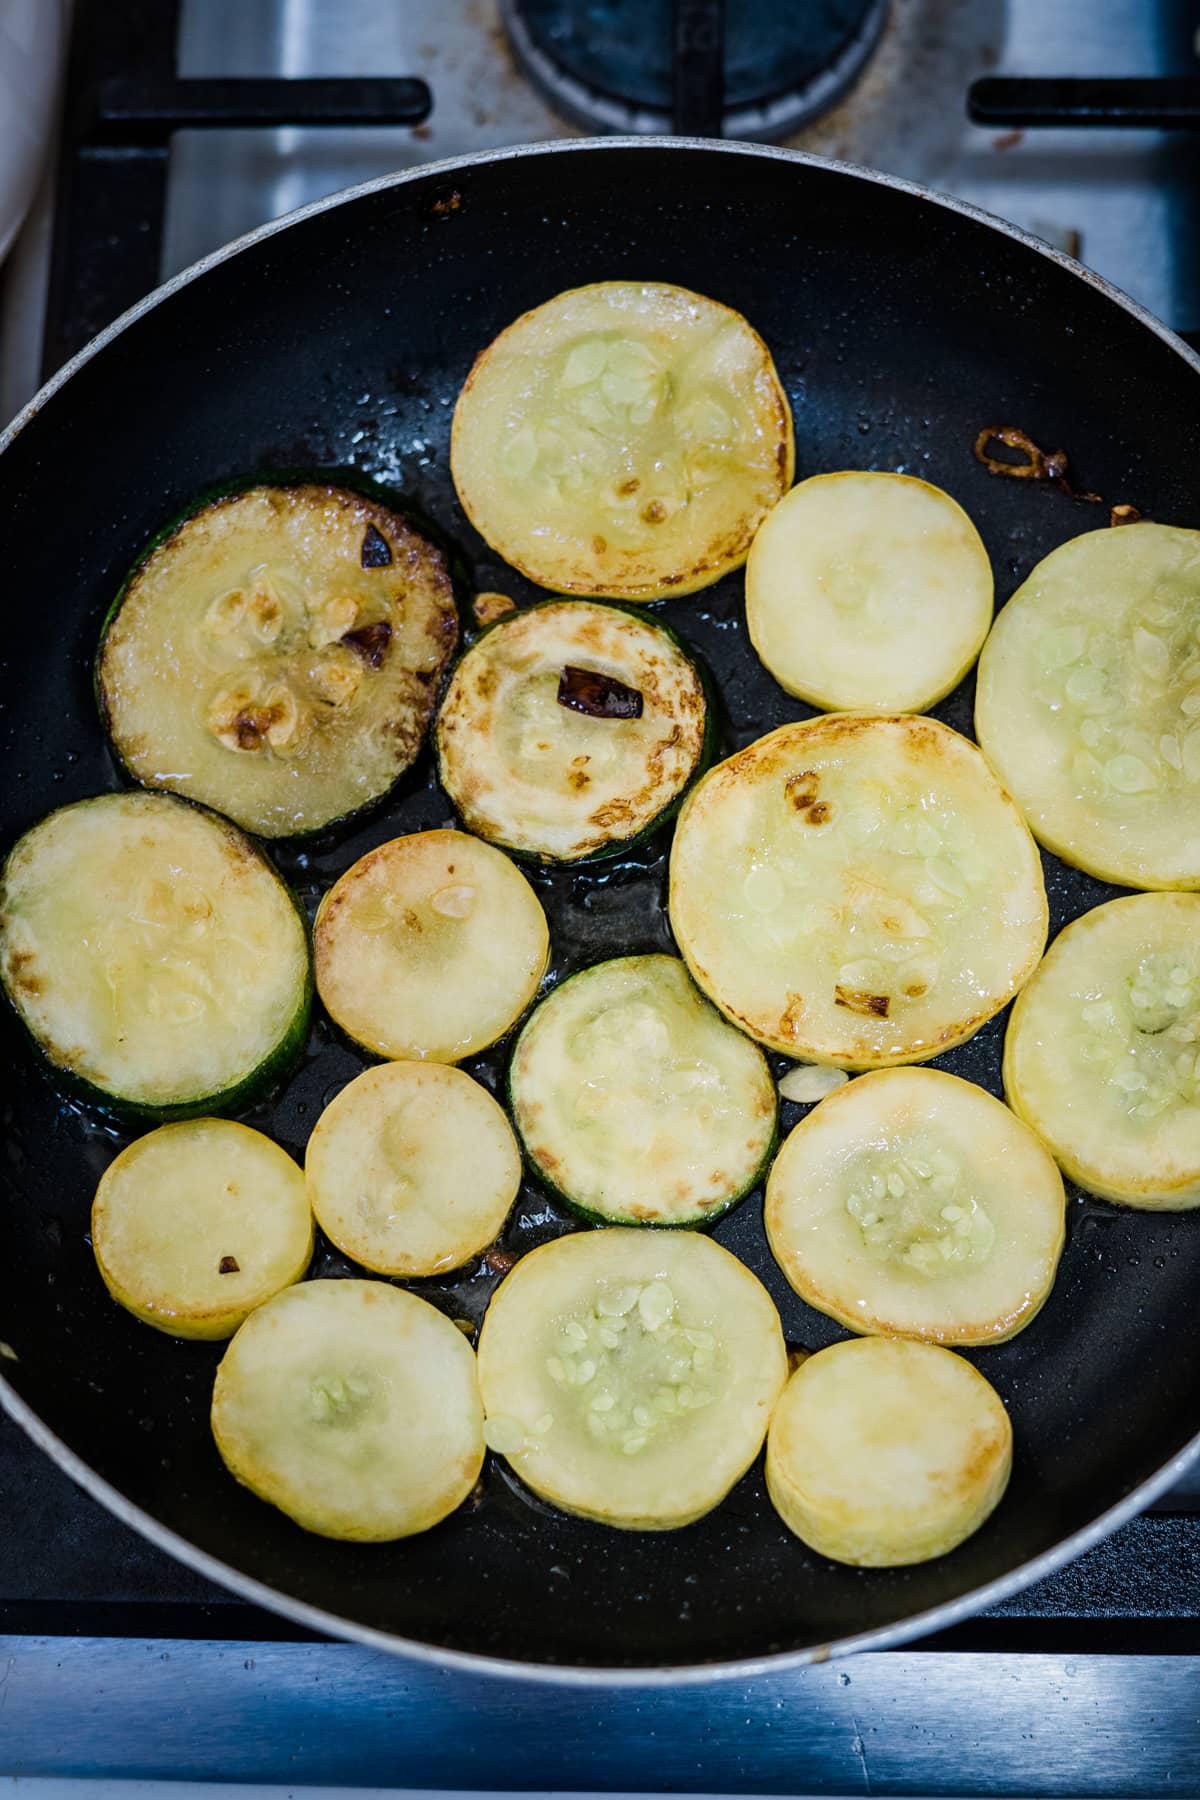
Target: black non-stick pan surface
(900, 324)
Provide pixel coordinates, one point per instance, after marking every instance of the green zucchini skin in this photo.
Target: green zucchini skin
(589, 1215)
(354, 481)
(254, 1087)
(642, 839)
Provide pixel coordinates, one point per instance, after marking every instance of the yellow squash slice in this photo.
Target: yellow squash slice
(278, 656)
(914, 1204)
(884, 1452)
(429, 947)
(1088, 705)
(1102, 1056)
(857, 891)
(629, 1375)
(868, 592)
(353, 1407)
(412, 1169)
(196, 1224)
(625, 439)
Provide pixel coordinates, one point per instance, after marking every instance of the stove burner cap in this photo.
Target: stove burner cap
(606, 64)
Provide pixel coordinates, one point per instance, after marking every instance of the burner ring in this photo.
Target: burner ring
(607, 70)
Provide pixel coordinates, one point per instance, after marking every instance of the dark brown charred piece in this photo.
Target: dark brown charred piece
(376, 551)
(599, 696)
(229, 1265)
(370, 642)
(1051, 466)
(1123, 515)
(489, 607)
(498, 1261)
(872, 1006)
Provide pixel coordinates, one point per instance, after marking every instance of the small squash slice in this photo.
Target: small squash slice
(636, 1102)
(914, 1204)
(857, 891)
(1102, 1055)
(571, 729)
(429, 947)
(277, 656)
(868, 592)
(1088, 704)
(155, 957)
(412, 1169)
(624, 440)
(196, 1224)
(884, 1452)
(629, 1375)
(353, 1407)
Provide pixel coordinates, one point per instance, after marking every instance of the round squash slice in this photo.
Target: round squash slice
(429, 947)
(857, 891)
(869, 592)
(629, 1375)
(353, 1407)
(1088, 704)
(412, 1169)
(277, 655)
(914, 1204)
(625, 439)
(1102, 1055)
(156, 958)
(635, 1101)
(196, 1224)
(884, 1452)
(571, 729)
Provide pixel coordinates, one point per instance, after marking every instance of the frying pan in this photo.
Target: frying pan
(901, 323)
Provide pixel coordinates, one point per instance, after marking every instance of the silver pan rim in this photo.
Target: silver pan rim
(316, 1619)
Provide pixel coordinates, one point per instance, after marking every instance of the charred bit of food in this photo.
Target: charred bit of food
(1050, 466)
(599, 696)
(489, 607)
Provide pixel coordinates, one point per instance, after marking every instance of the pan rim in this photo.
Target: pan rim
(314, 1618)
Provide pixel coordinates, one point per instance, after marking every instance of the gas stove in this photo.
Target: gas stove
(180, 135)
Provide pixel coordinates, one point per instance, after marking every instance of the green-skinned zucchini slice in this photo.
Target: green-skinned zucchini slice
(636, 1101)
(353, 1407)
(570, 730)
(1088, 704)
(430, 947)
(412, 1169)
(884, 1452)
(857, 891)
(868, 592)
(196, 1224)
(623, 440)
(154, 955)
(914, 1204)
(629, 1375)
(1102, 1055)
(278, 656)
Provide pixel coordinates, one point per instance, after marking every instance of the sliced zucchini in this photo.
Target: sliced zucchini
(1102, 1055)
(195, 1225)
(156, 958)
(1088, 704)
(629, 1375)
(913, 1204)
(353, 1407)
(277, 656)
(884, 1452)
(857, 891)
(624, 439)
(636, 1102)
(412, 1169)
(571, 729)
(430, 947)
(868, 591)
